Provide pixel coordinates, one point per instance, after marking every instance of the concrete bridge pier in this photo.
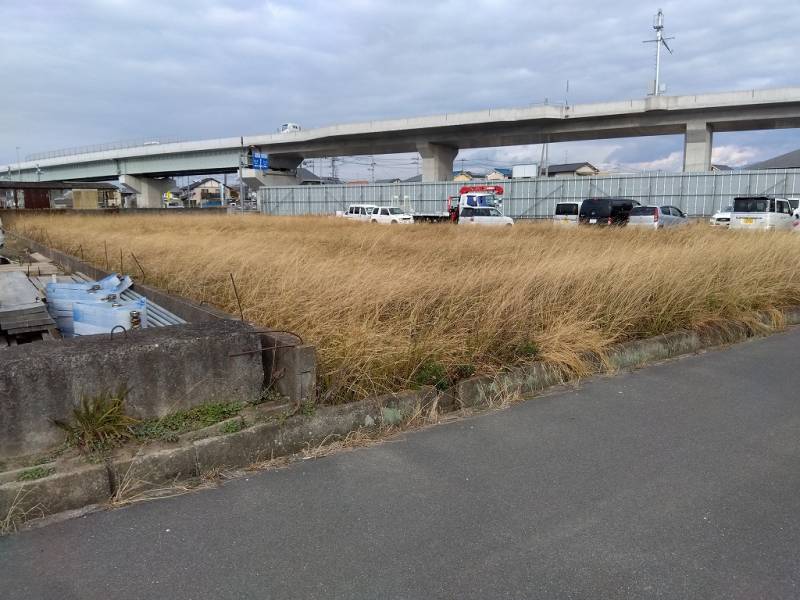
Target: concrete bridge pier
(698, 140)
(149, 191)
(437, 161)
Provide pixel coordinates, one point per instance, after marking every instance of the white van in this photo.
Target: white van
(483, 215)
(359, 212)
(761, 213)
(567, 213)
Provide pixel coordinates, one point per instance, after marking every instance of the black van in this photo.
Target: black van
(606, 211)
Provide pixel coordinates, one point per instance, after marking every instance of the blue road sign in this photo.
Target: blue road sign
(260, 162)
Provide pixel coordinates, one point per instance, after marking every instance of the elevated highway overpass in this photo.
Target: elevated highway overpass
(436, 138)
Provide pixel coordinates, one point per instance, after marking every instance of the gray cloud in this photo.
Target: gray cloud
(81, 72)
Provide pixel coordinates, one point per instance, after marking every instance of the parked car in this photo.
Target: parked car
(393, 215)
(605, 211)
(174, 204)
(761, 213)
(657, 217)
(722, 218)
(483, 216)
(359, 212)
(567, 213)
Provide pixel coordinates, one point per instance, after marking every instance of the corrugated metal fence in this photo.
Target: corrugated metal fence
(694, 193)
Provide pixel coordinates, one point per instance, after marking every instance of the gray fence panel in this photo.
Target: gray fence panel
(697, 194)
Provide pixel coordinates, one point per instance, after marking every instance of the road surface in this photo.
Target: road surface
(681, 480)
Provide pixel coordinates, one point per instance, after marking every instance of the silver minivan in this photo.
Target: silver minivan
(657, 217)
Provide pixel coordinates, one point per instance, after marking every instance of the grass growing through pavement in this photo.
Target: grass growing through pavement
(392, 307)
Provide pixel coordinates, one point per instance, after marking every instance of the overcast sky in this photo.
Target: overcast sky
(80, 72)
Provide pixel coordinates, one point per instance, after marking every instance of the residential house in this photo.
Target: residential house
(465, 175)
(582, 169)
(208, 192)
(497, 174)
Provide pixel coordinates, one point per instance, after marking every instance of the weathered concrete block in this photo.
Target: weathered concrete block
(165, 369)
(473, 391)
(235, 450)
(59, 492)
(290, 367)
(151, 469)
(271, 440)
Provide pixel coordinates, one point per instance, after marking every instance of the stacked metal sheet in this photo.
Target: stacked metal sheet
(22, 311)
(155, 316)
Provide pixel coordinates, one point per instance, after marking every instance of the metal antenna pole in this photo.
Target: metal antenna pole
(657, 87)
(658, 25)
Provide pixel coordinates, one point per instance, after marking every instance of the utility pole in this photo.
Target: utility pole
(19, 167)
(372, 169)
(241, 168)
(658, 25)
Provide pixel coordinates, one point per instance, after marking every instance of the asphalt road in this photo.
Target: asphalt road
(681, 480)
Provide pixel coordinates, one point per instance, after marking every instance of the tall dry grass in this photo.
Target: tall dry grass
(385, 304)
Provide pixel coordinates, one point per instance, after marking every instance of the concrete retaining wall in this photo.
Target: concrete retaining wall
(166, 369)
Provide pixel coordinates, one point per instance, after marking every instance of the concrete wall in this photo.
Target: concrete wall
(165, 369)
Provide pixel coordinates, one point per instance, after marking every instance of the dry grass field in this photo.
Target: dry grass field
(387, 306)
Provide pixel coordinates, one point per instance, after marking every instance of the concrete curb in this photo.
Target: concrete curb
(126, 477)
(88, 484)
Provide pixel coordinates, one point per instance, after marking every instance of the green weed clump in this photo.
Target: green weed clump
(99, 422)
